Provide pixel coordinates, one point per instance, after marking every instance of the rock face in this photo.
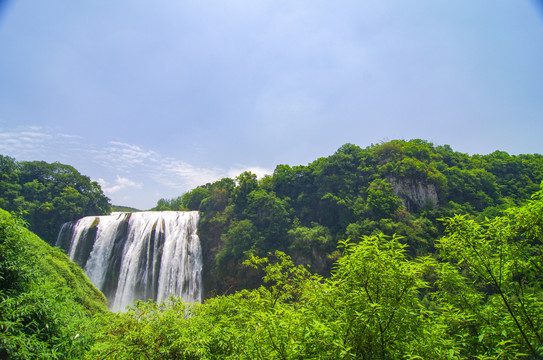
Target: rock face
(317, 261)
(415, 193)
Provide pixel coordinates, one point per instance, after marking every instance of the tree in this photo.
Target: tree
(238, 241)
(49, 194)
(9, 183)
(246, 183)
(373, 292)
(192, 199)
(270, 216)
(381, 201)
(504, 255)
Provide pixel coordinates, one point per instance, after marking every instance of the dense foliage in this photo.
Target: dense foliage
(396, 187)
(479, 297)
(46, 300)
(416, 252)
(48, 195)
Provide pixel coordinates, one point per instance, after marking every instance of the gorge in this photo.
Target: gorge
(138, 256)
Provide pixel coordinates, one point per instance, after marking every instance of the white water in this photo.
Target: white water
(144, 255)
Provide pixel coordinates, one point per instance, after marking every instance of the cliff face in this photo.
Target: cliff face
(317, 261)
(415, 193)
(234, 277)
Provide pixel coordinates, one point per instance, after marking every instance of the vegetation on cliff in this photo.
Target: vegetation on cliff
(396, 187)
(416, 252)
(478, 297)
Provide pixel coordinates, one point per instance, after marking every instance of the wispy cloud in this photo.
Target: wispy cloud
(24, 141)
(120, 184)
(124, 171)
(123, 156)
(179, 174)
(171, 172)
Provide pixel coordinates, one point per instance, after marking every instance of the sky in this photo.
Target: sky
(152, 99)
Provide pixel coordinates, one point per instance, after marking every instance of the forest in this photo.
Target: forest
(397, 187)
(402, 249)
(48, 195)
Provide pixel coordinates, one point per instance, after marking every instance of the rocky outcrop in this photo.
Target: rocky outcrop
(415, 193)
(317, 261)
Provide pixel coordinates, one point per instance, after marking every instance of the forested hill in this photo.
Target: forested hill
(48, 195)
(478, 296)
(396, 187)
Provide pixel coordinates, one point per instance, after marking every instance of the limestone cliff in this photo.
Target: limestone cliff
(415, 193)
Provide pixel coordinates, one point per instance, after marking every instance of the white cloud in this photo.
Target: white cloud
(257, 170)
(183, 176)
(120, 184)
(127, 173)
(123, 156)
(24, 142)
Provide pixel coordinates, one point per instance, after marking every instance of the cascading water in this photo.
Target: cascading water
(142, 255)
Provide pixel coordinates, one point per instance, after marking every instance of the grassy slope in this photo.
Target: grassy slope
(57, 268)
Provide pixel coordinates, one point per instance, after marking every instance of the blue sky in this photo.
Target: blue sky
(154, 98)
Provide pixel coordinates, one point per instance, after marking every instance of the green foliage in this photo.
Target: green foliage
(246, 183)
(46, 302)
(218, 197)
(398, 290)
(305, 239)
(192, 199)
(395, 187)
(375, 292)
(187, 202)
(238, 242)
(503, 256)
(270, 217)
(382, 202)
(48, 194)
(479, 298)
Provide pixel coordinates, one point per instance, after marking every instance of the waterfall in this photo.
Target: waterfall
(142, 255)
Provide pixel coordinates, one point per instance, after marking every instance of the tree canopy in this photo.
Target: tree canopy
(48, 195)
(415, 251)
(394, 187)
(478, 297)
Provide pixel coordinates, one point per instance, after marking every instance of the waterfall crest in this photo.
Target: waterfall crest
(143, 255)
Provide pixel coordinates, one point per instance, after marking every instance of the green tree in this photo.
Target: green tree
(504, 255)
(238, 241)
(9, 183)
(373, 293)
(192, 199)
(246, 183)
(270, 216)
(306, 239)
(49, 194)
(381, 201)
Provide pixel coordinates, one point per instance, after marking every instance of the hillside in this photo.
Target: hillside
(416, 251)
(46, 299)
(478, 297)
(396, 187)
